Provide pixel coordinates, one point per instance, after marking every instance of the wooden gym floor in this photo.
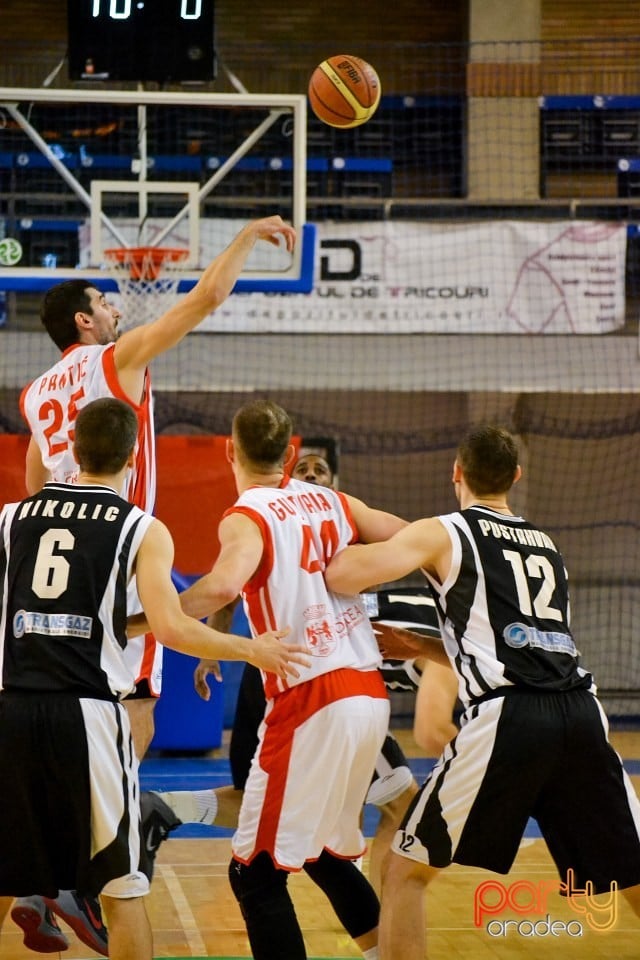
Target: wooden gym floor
(194, 914)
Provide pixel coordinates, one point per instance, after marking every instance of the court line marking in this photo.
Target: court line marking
(188, 922)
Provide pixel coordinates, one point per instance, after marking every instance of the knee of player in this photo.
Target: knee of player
(258, 882)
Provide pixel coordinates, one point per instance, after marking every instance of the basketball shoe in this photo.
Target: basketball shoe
(84, 916)
(158, 820)
(385, 789)
(41, 930)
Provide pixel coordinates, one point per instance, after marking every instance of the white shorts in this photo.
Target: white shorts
(317, 751)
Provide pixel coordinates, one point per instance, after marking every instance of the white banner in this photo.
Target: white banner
(408, 277)
(417, 277)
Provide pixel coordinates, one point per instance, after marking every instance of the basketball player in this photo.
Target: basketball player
(322, 732)
(164, 811)
(530, 711)
(97, 362)
(393, 785)
(69, 804)
(358, 911)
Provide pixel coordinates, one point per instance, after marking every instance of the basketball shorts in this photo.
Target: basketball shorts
(391, 777)
(529, 754)
(69, 805)
(317, 749)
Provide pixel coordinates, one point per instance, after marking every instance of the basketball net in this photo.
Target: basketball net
(147, 279)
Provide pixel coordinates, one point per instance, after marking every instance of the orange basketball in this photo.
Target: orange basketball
(344, 91)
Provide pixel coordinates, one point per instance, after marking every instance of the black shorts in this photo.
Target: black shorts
(528, 754)
(69, 784)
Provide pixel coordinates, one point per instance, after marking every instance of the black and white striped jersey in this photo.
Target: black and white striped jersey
(66, 556)
(410, 607)
(504, 607)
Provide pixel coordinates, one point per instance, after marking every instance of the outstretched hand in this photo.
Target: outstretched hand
(273, 228)
(270, 654)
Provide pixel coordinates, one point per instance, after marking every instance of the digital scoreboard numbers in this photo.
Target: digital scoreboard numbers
(161, 40)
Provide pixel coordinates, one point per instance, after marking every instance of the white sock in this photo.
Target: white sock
(370, 954)
(192, 806)
(206, 805)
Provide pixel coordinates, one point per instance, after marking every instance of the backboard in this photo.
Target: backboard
(92, 169)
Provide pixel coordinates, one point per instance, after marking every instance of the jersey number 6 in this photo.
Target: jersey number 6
(51, 571)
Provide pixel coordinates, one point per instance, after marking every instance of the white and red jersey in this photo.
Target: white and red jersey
(303, 526)
(50, 405)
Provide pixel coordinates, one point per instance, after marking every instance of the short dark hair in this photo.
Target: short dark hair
(316, 456)
(59, 307)
(488, 456)
(105, 434)
(263, 431)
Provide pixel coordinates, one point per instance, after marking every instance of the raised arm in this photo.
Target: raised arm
(136, 348)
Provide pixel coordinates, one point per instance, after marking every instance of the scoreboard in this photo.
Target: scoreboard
(160, 40)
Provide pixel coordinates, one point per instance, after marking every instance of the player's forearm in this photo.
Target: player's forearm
(206, 597)
(138, 347)
(219, 278)
(193, 638)
(221, 619)
(350, 573)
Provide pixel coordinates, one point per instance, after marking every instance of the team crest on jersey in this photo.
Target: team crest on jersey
(320, 638)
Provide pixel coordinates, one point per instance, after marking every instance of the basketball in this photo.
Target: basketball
(344, 91)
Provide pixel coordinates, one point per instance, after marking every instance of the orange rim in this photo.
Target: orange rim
(145, 263)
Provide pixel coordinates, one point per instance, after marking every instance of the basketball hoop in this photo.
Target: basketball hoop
(147, 279)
